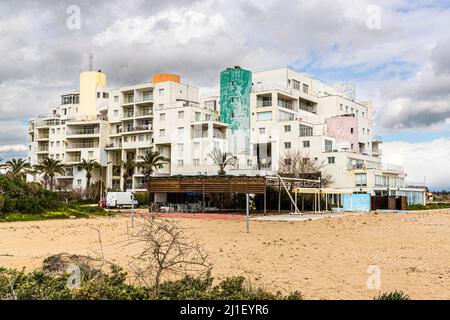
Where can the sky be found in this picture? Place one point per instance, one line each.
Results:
(395, 52)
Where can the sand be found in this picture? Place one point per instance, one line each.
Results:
(324, 259)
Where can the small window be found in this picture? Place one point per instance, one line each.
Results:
(341, 107)
(287, 145)
(305, 88)
(180, 131)
(351, 130)
(232, 83)
(196, 145)
(180, 163)
(79, 182)
(161, 92)
(105, 95)
(116, 98)
(116, 113)
(287, 128)
(262, 130)
(196, 162)
(90, 154)
(180, 147)
(98, 95)
(180, 114)
(162, 117)
(363, 114)
(306, 144)
(287, 162)
(162, 132)
(331, 160)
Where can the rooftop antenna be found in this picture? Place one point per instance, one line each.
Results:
(91, 62)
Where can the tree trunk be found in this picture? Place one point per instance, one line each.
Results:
(51, 183)
(149, 195)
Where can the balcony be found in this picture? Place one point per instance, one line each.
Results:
(43, 149)
(41, 137)
(264, 103)
(84, 131)
(286, 104)
(388, 167)
(82, 145)
(144, 127)
(68, 174)
(111, 146)
(144, 113)
(73, 159)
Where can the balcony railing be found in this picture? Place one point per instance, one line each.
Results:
(73, 159)
(82, 145)
(392, 168)
(144, 113)
(285, 104)
(113, 145)
(138, 128)
(43, 149)
(264, 103)
(83, 131)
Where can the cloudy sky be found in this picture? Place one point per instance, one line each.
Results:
(397, 52)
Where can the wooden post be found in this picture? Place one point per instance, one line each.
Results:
(326, 202)
(265, 198)
(203, 195)
(295, 201)
(279, 195)
(303, 202)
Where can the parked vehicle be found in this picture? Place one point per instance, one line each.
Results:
(120, 200)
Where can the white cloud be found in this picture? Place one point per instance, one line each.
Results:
(15, 147)
(428, 159)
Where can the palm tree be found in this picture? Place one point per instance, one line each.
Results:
(127, 167)
(89, 166)
(222, 159)
(50, 167)
(151, 161)
(17, 168)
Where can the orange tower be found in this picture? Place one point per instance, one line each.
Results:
(163, 77)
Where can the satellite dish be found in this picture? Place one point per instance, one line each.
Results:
(353, 162)
(263, 161)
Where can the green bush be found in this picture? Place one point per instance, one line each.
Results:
(43, 285)
(429, 206)
(394, 295)
(142, 198)
(20, 196)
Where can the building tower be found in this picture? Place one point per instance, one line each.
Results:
(235, 88)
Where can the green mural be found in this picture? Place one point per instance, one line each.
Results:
(235, 88)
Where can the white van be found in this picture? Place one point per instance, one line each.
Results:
(120, 200)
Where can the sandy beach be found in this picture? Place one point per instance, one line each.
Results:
(324, 259)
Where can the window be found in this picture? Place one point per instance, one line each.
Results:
(351, 130)
(364, 130)
(52, 144)
(180, 114)
(116, 113)
(196, 145)
(328, 145)
(58, 143)
(180, 163)
(264, 116)
(361, 179)
(232, 83)
(116, 98)
(296, 84)
(162, 116)
(353, 110)
(162, 132)
(105, 95)
(305, 88)
(98, 95)
(262, 130)
(363, 114)
(341, 107)
(305, 160)
(58, 130)
(207, 117)
(161, 92)
(180, 146)
(79, 182)
(196, 162)
(331, 160)
(368, 131)
(306, 144)
(287, 162)
(306, 131)
(90, 154)
(346, 108)
(357, 112)
(141, 137)
(180, 131)
(287, 145)
(287, 128)
(198, 116)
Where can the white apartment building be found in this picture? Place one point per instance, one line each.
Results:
(289, 111)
